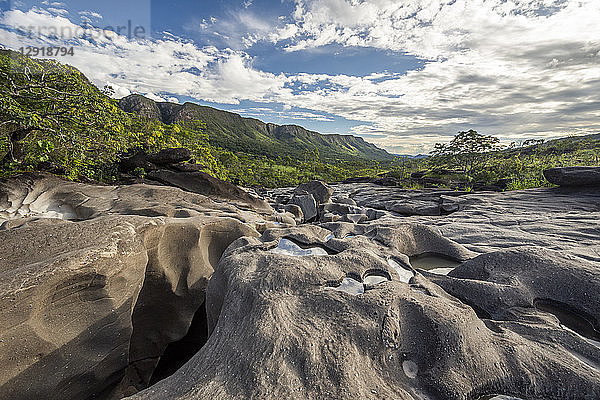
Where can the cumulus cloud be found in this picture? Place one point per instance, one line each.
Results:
(510, 68)
(515, 69)
(168, 65)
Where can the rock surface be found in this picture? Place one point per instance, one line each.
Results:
(574, 176)
(160, 293)
(307, 204)
(318, 189)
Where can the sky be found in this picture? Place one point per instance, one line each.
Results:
(402, 74)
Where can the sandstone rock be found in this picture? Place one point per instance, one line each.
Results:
(344, 200)
(170, 156)
(66, 301)
(307, 204)
(106, 290)
(414, 207)
(574, 176)
(319, 315)
(135, 161)
(330, 217)
(318, 189)
(296, 211)
(187, 167)
(203, 183)
(99, 298)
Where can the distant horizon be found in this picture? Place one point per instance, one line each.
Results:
(402, 76)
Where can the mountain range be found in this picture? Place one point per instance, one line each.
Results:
(252, 136)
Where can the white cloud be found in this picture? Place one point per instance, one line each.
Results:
(169, 65)
(516, 69)
(510, 68)
(90, 14)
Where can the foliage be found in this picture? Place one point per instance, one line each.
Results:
(522, 166)
(467, 150)
(51, 114)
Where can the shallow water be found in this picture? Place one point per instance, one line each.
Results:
(571, 320)
(434, 264)
(441, 271)
(355, 218)
(289, 248)
(351, 286)
(403, 273)
(374, 279)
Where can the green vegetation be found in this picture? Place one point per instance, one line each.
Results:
(471, 159)
(51, 114)
(53, 118)
(250, 136)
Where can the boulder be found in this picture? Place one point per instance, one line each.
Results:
(357, 179)
(136, 161)
(296, 211)
(203, 183)
(320, 191)
(414, 207)
(574, 176)
(384, 181)
(307, 204)
(170, 156)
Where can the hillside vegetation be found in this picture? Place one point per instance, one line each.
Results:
(474, 161)
(52, 118)
(251, 136)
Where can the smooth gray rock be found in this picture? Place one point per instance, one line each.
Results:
(97, 281)
(318, 189)
(205, 184)
(574, 176)
(170, 156)
(307, 204)
(401, 338)
(296, 211)
(106, 290)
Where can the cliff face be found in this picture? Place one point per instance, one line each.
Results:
(236, 133)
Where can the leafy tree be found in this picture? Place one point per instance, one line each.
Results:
(51, 112)
(467, 149)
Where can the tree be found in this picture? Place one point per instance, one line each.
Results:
(467, 149)
(50, 111)
(312, 158)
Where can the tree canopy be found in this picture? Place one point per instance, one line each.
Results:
(467, 149)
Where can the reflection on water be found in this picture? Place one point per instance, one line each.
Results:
(287, 247)
(356, 218)
(569, 319)
(441, 271)
(403, 273)
(374, 279)
(434, 264)
(350, 285)
(354, 287)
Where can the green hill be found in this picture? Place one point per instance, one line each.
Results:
(252, 136)
(53, 119)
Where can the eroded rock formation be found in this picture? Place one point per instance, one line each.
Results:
(162, 293)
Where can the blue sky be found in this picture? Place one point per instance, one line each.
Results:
(403, 75)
